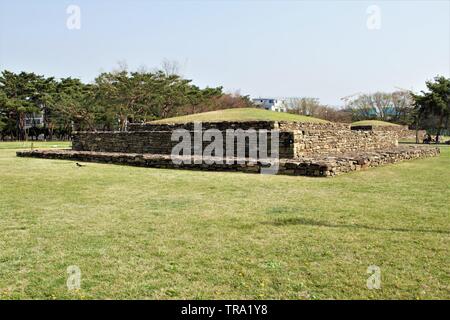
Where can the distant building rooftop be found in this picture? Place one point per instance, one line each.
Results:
(272, 104)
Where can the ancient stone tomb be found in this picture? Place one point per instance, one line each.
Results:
(314, 149)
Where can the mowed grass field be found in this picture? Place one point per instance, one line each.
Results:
(168, 234)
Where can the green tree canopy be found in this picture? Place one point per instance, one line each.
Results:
(113, 99)
(434, 102)
(21, 95)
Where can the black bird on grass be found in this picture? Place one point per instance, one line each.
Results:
(80, 165)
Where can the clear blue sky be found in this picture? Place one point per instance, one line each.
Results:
(264, 48)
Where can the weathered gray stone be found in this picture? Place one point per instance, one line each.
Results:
(311, 149)
(320, 166)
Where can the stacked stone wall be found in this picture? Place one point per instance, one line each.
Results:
(160, 142)
(319, 166)
(297, 139)
(335, 138)
(333, 141)
(402, 132)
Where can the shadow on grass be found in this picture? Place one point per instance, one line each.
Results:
(311, 222)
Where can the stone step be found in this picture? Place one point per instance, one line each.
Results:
(319, 166)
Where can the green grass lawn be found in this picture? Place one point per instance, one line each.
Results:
(373, 123)
(413, 140)
(168, 234)
(35, 144)
(240, 114)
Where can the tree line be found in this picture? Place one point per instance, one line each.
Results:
(118, 97)
(111, 101)
(312, 107)
(429, 110)
(432, 107)
(397, 106)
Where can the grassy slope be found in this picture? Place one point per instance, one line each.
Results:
(155, 233)
(373, 123)
(240, 114)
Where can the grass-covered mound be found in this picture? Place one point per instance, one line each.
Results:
(240, 114)
(373, 123)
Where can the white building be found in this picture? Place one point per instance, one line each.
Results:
(34, 120)
(271, 104)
